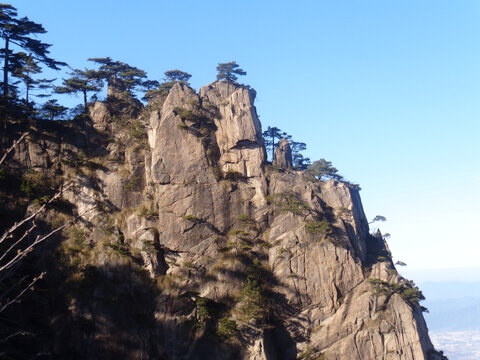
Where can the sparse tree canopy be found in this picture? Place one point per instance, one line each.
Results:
(171, 78)
(20, 33)
(271, 137)
(25, 67)
(177, 76)
(52, 109)
(323, 169)
(228, 71)
(299, 161)
(378, 218)
(119, 73)
(83, 81)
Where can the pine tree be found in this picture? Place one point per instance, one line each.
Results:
(171, 78)
(82, 81)
(52, 109)
(25, 67)
(228, 71)
(269, 137)
(299, 161)
(120, 74)
(20, 33)
(323, 168)
(177, 76)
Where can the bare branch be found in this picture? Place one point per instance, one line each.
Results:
(15, 226)
(25, 234)
(35, 279)
(11, 148)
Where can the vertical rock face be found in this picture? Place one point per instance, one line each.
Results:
(283, 155)
(239, 132)
(245, 262)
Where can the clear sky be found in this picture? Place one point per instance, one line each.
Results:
(387, 90)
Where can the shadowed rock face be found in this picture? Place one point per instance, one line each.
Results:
(194, 204)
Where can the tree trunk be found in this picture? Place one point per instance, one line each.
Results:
(273, 148)
(5, 85)
(5, 70)
(27, 85)
(85, 101)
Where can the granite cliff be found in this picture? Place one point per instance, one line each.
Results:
(189, 245)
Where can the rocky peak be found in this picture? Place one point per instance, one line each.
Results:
(239, 131)
(232, 259)
(283, 155)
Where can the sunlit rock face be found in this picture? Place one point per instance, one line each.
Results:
(199, 249)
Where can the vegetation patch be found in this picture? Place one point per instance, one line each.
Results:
(318, 227)
(412, 295)
(289, 201)
(119, 249)
(254, 297)
(227, 328)
(191, 218)
(134, 184)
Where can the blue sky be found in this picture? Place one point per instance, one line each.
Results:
(387, 90)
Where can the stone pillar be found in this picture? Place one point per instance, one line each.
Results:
(283, 155)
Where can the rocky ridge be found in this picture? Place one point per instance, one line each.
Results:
(192, 246)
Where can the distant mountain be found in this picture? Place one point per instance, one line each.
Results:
(453, 306)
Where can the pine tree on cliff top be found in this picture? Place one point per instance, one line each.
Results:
(228, 71)
(82, 81)
(128, 77)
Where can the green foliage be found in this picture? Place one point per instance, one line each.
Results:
(205, 308)
(238, 232)
(144, 211)
(233, 175)
(318, 227)
(149, 246)
(119, 249)
(134, 184)
(227, 328)
(191, 218)
(321, 169)
(412, 295)
(289, 201)
(378, 218)
(78, 239)
(229, 71)
(81, 81)
(343, 210)
(122, 75)
(271, 136)
(28, 188)
(137, 130)
(310, 354)
(246, 220)
(177, 76)
(52, 109)
(36, 185)
(255, 304)
(217, 172)
(197, 120)
(21, 34)
(269, 199)
(162, 89)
